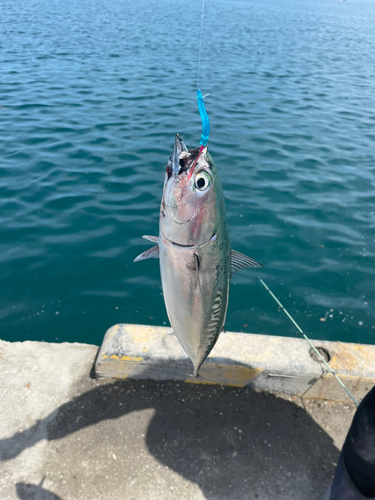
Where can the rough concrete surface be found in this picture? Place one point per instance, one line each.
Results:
(262, 362)
(64, 435)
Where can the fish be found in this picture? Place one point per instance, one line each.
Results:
(193, 246)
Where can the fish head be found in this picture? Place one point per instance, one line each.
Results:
(192, 207)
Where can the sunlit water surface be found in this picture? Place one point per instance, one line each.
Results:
(92, 93)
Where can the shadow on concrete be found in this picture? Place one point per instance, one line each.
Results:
(216, 437)
(27, 491)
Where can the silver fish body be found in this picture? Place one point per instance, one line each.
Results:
(196, 260)
(196, 289)
(195, 284)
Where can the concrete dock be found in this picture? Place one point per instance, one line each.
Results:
(65, 435)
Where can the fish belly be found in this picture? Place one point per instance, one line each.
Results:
(195, 288)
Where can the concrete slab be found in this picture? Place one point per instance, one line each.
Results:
(64, 435)
(268, 363)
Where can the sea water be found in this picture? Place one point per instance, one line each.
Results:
(91, 95)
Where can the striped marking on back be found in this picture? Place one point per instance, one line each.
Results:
(212, 330)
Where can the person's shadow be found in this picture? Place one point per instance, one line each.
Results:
(233, 443)
(27, 491)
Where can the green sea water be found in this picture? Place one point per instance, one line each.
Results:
(92, 94)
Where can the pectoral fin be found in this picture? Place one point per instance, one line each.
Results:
(240, 261)
(154, 239)
(148, 254)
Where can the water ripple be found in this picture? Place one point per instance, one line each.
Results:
(92, 94)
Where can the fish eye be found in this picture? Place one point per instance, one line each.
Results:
(202, 180)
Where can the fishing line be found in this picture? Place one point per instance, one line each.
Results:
(308, 340)
(200, 45)
(202, 109)
(209, 379)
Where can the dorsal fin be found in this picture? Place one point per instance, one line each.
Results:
(240, 261)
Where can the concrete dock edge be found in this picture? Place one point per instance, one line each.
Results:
(263, 362)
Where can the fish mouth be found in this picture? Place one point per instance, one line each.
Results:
(182, 158)
(179, 147)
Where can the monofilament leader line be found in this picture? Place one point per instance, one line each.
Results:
(200, 45)
(308, 340)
